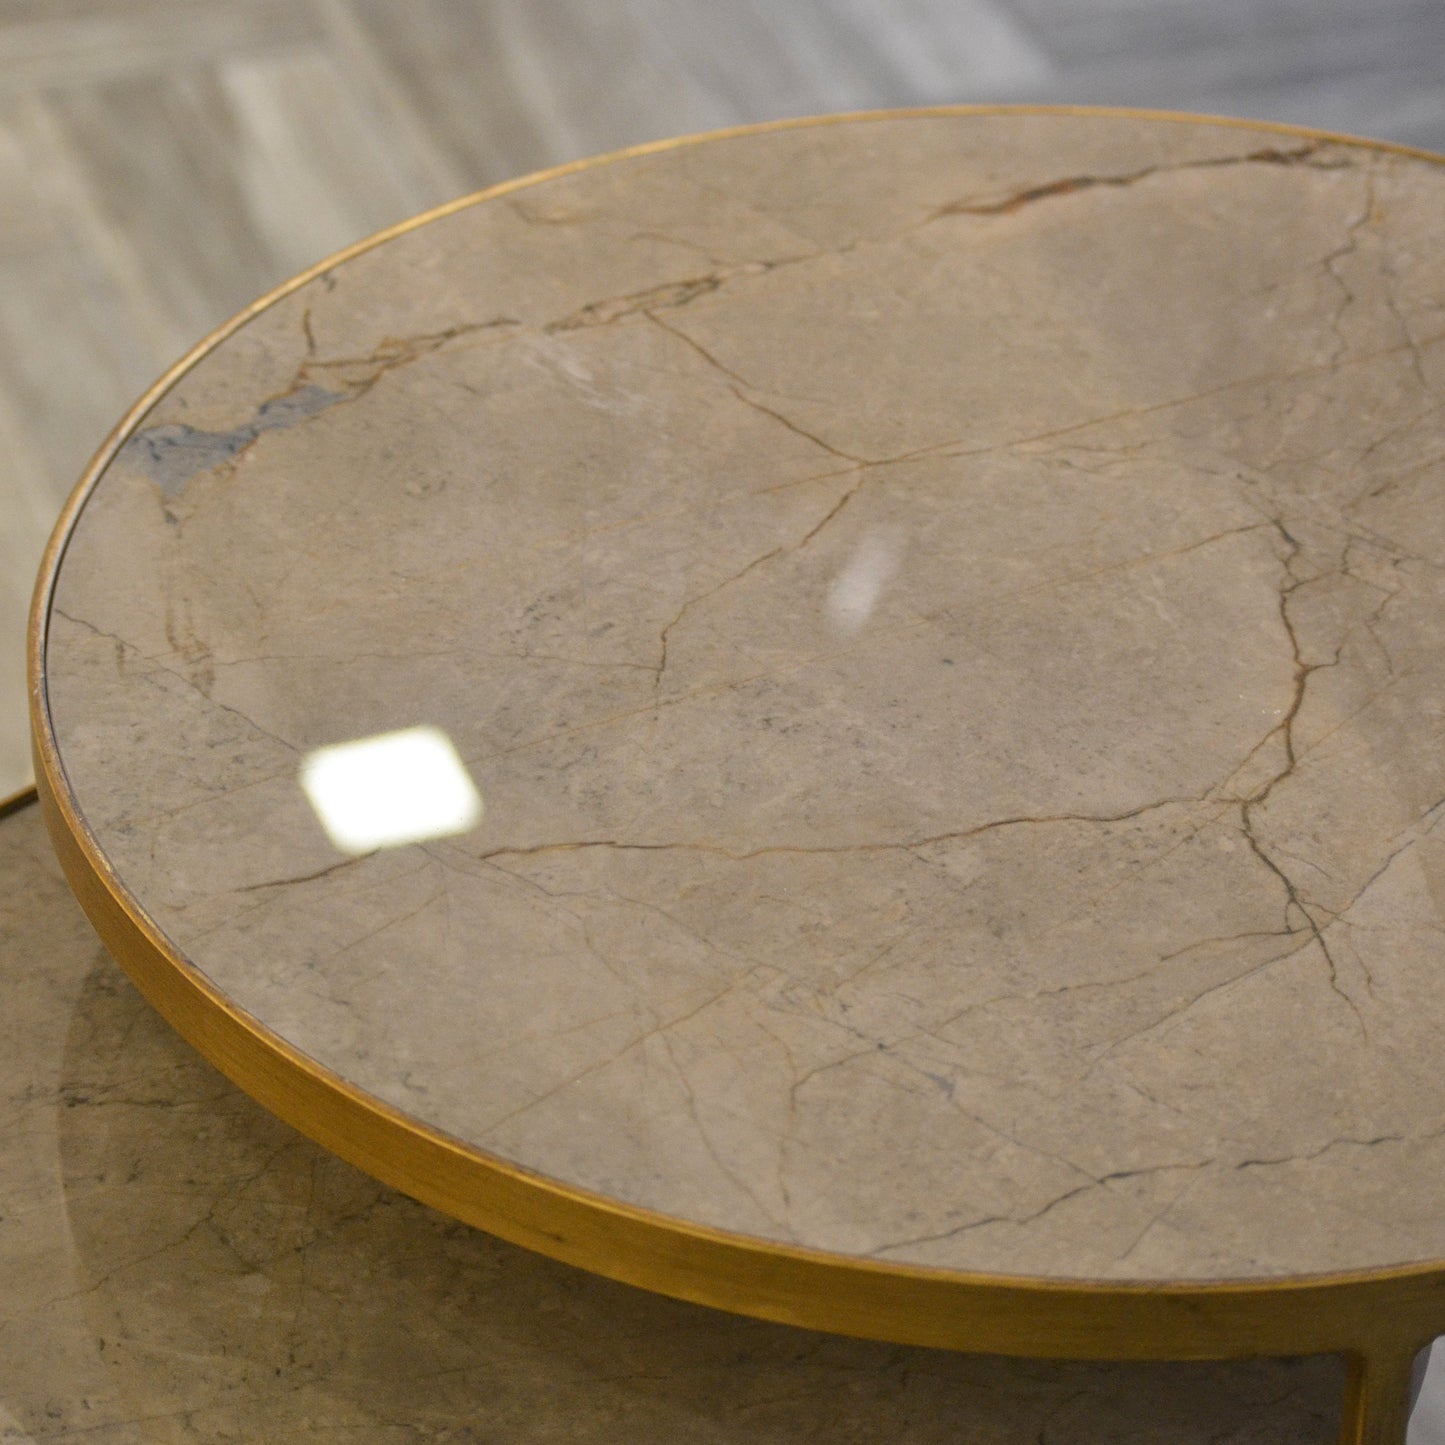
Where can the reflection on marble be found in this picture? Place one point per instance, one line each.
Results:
(178, 1267)
(945, 616)
(381, 792)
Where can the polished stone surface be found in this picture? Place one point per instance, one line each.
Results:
(943, 616)
(178, 1268)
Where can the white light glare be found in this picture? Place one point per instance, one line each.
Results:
(857, 588)
(395, 788)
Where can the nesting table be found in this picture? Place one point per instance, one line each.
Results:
(841, 720)
(181, 1267)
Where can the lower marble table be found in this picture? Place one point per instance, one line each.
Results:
(180, 1268)
(840, 720)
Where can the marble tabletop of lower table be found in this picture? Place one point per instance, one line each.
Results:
(180, 1268)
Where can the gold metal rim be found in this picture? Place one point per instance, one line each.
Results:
(1384, 1309)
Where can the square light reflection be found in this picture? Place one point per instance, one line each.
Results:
(391, 789)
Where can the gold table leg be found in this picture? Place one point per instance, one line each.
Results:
(1377, 1397)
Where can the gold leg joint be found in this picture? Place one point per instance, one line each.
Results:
(1377, 1397)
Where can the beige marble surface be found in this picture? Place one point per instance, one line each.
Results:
(177, 1267)
(944, 614)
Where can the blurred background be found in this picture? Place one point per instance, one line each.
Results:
(163, 162)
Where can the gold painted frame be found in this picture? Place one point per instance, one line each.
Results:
(1379, 1318)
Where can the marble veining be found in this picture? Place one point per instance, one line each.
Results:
(943, 613)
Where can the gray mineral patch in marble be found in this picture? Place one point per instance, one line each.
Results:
(172, 453)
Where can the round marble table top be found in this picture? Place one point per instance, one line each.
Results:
(896, 671)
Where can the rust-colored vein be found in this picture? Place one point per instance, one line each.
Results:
(900, 845)
(1299, 906)
(1072, 185)
(1324, 1149)
(696, 346)
(797, 430)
